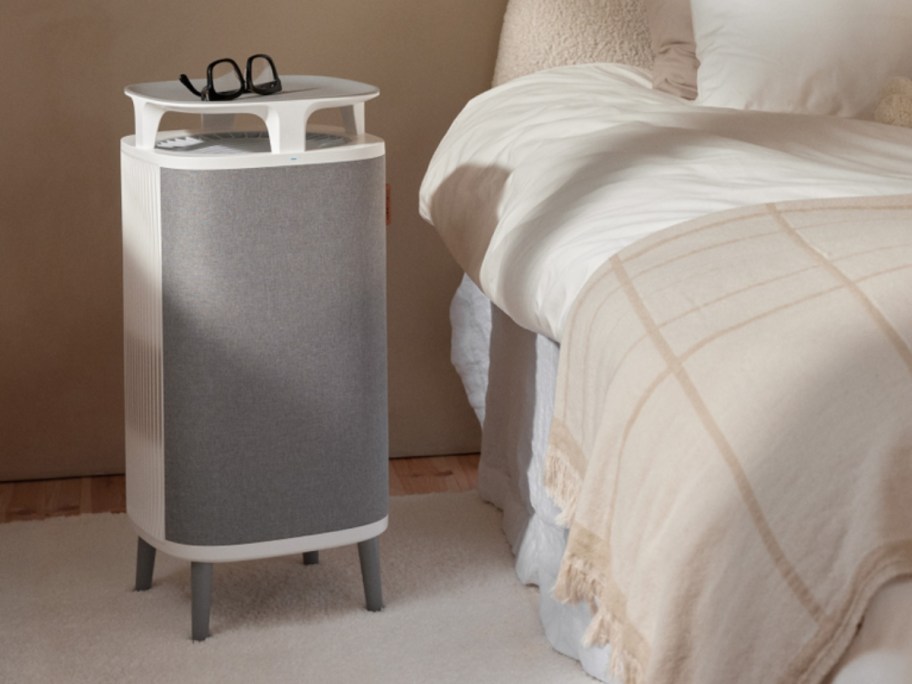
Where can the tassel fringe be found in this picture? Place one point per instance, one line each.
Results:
(562, 480)
(579, 581)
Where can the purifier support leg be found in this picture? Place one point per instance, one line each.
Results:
(145, 564)
(369, 553)
(201, 598)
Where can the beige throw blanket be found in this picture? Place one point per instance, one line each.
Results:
(732, 441)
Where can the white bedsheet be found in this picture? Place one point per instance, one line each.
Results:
(589, 158)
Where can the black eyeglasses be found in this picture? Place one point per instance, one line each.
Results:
(231, 84)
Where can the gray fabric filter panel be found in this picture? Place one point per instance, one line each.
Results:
(275, 380)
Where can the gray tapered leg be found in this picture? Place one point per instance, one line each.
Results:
(201, 598)
(311, 557)
(145, 564)
(369, 553)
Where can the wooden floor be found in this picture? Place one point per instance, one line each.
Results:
(38, 499)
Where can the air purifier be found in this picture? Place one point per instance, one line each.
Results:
(254, 331)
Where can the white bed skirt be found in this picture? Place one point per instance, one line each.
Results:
(509, 375)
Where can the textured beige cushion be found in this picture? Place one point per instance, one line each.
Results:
(540, 34)
(895, 106)
(672, 35)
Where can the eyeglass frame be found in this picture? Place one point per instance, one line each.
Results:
(210, 94)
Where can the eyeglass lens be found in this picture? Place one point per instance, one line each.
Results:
(226, 78)
(261, 72)
(262, 77)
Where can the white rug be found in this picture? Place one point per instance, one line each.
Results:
(455, 611)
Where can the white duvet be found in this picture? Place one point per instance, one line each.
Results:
(566, 167)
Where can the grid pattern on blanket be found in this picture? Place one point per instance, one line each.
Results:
(738, 391)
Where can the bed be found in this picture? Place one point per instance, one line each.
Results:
(686, 328)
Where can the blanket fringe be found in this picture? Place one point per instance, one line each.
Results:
(562, 480)
(578, 581)
(563, 485)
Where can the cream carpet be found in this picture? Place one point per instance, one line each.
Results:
(455, 611)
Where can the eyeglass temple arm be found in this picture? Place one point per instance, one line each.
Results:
(185, 80)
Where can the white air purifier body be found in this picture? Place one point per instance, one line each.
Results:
(254, 330)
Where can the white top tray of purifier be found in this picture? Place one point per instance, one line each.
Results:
(285, 114)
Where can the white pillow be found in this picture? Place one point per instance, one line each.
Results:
(808, 56)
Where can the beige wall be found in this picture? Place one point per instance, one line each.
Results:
(64, 67)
